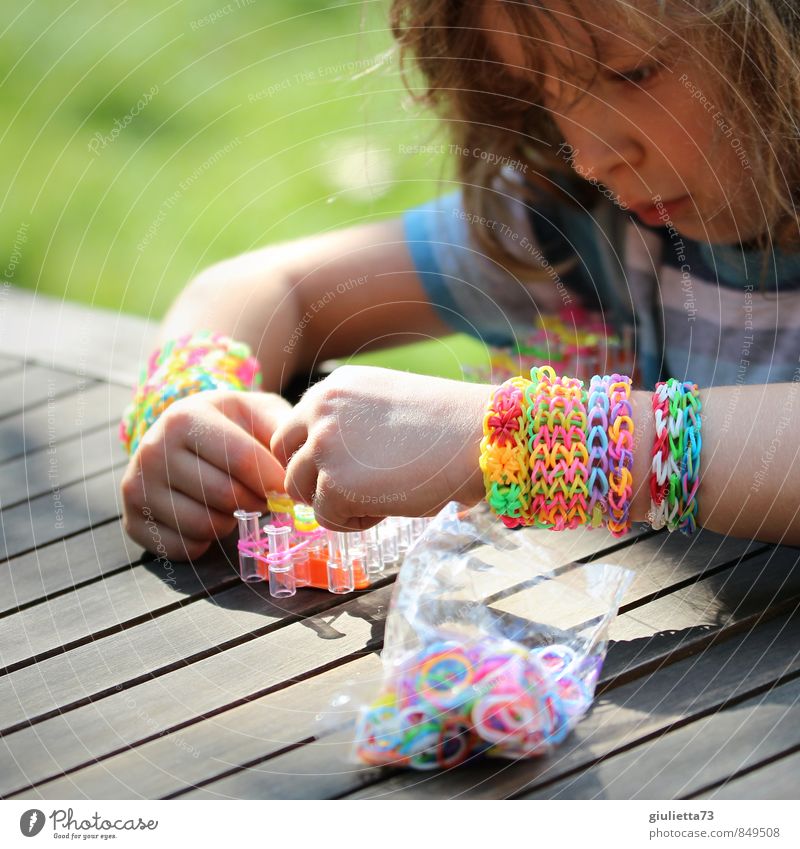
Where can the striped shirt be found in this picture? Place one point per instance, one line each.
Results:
(695, 311)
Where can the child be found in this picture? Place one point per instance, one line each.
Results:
(634, 160)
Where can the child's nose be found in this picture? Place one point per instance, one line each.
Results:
(603, 150)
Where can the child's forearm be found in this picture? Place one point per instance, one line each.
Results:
(749, 470)
(262, 316)
(312, 299)
(749, 481)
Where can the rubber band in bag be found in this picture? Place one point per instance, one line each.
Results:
(493, 646)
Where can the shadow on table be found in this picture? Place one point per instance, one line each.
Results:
(215, 575)
(721, 602)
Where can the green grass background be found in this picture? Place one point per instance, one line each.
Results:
(268, 79)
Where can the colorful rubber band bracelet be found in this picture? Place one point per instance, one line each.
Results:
(597, 447)
(675, 467)
(504, 452)
(620, 453)
(191, 363)
(664, 470)
(685, 448)
(558, 456)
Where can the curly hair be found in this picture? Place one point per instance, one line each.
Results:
(748, 47)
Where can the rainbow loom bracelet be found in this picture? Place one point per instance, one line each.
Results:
(675, 467)
(504, 452)
(690, 467)
(664, 470)
(538, 397)
(660, 462)
(620, 453)
(685, 443)
(183, 366)
(558, 455)
(597, 446)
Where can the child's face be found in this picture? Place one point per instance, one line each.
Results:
(643, 130)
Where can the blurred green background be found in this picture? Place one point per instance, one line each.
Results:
(145, 140)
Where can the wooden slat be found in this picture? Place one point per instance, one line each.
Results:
(211, 747)
(673, 625)
(777, 780)
(153, 648)
(97, 608)
(625, 714)
(664, 561)
(60, 465)
(52, 734)
(96, 659)
(172, 757)
(43, 520)
(89, 408)
(695, 756)
(34, 384)
(175, 637)
(661, 565)
(94, 342)
(103, 607)
(65, 564)
(8, 364)
(729, 601)
(189, 692)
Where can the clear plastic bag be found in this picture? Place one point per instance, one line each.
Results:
(493, 645)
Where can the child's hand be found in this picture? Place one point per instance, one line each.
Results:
(369, 442)
(203, 458)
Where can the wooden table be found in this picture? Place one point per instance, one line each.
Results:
(124, 676)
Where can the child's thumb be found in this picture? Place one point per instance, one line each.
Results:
(259, 413)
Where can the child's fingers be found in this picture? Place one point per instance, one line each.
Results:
(301, 477)
(258, 413)
(289, 436)
(193, 476)
(164, 542)
(356, 523)
(187, 516)
(232, 449)
(333, 510)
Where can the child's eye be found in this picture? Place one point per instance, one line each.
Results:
(636, 76)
